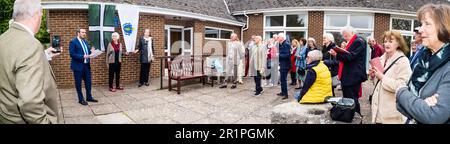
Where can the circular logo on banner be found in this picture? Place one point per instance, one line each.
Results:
(128, 28)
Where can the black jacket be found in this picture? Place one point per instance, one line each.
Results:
(142, 45)
(354, 70)
(329, 60)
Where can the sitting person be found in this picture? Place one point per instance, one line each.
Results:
(318, 80)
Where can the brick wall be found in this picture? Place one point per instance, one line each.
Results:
(65, 22)
(315, 25)
(382, 22)
(256, 26)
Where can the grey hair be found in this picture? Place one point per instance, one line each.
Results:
(369, 38)
(349, 29)
(115, 34)
(329, 36)
(315, 55)
(282, 35)
(26, 9)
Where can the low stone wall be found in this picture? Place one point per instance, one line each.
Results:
(295, 113)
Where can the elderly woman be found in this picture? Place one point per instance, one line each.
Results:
(318, 80)
(426, 98)
(300, 62)
(396, 73)
(146, 47)
(293, 71)
(329, 60)
(114, 60)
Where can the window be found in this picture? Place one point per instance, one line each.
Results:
(211, 33)
(406, 27)
(363, 24)
(294, 25)
(336, 21)
(273, 21)
(217, 33)
(295, 20)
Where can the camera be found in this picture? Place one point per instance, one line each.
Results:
(56, 44)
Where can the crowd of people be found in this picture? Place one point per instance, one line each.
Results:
(409, 87)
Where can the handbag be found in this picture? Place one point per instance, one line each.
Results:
(343, 110)
(370, 97)
(335, 81)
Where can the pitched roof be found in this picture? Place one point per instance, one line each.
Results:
(402, 5)
(216, 8)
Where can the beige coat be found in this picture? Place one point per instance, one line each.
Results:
(383, 101)
(28, 92)
(257, 60)
(110, 56)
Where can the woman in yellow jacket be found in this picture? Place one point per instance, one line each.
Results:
(317, 84)
(384, 110)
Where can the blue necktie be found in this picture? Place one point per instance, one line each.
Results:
(85, 50)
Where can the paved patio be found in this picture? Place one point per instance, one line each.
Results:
(197, 104)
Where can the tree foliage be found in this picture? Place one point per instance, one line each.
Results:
(6, 10)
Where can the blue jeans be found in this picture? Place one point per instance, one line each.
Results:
(283, 81)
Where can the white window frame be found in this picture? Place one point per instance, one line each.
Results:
(284, 28)
(403, 32)
(349, 16)
(220, 35)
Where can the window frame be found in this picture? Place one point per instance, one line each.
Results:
(219, 34)
(284, 28)
(348, 23)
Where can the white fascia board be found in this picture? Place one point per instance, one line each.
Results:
(334, 9)
(145, 9)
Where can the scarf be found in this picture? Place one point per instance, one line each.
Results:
(116, 47)
(149, 48)
(341, 64)
(426, 65)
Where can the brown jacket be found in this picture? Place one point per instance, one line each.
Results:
(384, 108)
(28, 92)
(110, 56)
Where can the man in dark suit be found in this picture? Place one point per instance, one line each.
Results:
(285, 63)
(80, 65)
(352, 69)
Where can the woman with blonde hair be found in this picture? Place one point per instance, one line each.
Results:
(395, 72)
(293, 71)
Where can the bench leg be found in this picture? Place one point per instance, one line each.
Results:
(203, 79)
(212, 82)
(170, 84)
(178, 86)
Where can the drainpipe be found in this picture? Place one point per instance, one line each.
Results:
(246, 26)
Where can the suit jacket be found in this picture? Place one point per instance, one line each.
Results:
(354, 70)
(77, 54)
(285, 56)
(143, 49)
(413, 59)
(28, 92)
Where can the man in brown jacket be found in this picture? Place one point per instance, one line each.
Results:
(28, 93)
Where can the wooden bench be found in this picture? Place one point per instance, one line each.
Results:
(185, 68)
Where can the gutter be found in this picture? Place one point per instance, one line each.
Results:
(64, 5)
(246, 26)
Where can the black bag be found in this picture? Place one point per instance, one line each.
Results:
(343, 110)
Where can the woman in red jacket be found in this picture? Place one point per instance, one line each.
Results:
(295, 45)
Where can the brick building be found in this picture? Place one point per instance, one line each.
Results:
(210, 22)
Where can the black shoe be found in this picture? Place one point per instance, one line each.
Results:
(146, 84)
(257, 94)
(285, 97)
(279, 94)
(139, 85)
(299, 88)
(233, 86)
(223, 86)
(83, 103)
(92, 100)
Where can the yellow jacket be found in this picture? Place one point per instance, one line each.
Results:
(321, 87)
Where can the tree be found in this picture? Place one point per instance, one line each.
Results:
(6, 9)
